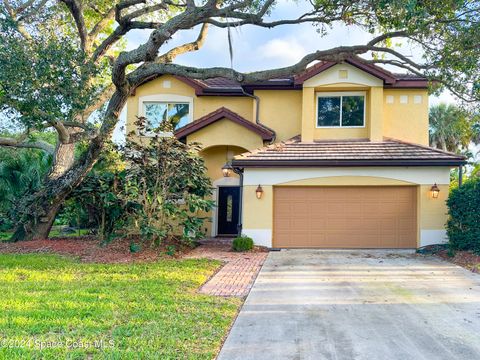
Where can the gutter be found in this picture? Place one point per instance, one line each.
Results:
(339, 163)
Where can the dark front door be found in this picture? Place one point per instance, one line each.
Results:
(228, 209)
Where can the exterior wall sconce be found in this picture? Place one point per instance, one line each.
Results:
(434, 191)
(259, 192)
(227, 170)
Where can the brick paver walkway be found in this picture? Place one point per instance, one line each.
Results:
(236, 277)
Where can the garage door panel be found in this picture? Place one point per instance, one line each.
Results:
(318, 225)
(345, 217)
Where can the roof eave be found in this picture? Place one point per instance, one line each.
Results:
(341, 163)
(219, 114)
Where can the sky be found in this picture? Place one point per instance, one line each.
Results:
(257, 48)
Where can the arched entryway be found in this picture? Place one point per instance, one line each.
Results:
(225, 215)
(216, 156)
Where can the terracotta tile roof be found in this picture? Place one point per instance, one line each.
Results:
(220, 82)
(227, 87)
(389, 152)
(223, 113)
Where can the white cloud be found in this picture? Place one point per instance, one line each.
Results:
(284, 51)
(445, 97)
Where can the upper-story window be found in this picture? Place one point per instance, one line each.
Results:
(157, 112)
(158, 108)
(342, 109)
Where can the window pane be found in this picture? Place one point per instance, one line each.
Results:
(352, 110)
(328, 111)
(178, 114)
(229, 208)
(155, 112)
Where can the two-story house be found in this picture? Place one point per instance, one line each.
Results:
(335, 157)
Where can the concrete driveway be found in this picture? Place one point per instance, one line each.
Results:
(319, 304)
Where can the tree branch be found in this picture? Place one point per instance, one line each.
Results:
(189, 47)
(148, 71)
(101, 99)
(9, 8)
(100, 26)
(76, 11)
(399, 56)
(24, 6)
(144, 11)
(34, 10)
(23, 143)
(63, 133)
(414, 71)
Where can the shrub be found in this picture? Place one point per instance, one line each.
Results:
(463, 226)
(168, 183)
(170, 250)
(161, 193)
(21, 173)
(242, 243)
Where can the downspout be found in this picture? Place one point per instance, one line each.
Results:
(460, 175)
(239, 171)
(257, 114)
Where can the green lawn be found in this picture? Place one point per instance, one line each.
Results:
(5, 235)
(139, 311)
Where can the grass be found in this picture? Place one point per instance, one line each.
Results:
(5, 235)
(55, 307)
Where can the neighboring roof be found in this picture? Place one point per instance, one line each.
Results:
(390, 152)
(227, 87)
(223, 113)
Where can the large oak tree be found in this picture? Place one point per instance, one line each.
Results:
(63, 62)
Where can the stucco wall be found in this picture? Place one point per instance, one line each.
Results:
(397, 113)
(282, 111)
(202, 105)
(432, 213)
(215, 157)
(406, 121)
(226, 132)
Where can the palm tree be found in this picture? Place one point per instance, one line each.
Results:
(451, 128)
(21, 172)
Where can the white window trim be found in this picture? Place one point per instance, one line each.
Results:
(341, 93)
(171, 98)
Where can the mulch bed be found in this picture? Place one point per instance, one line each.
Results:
(465, 259)
(89, 249)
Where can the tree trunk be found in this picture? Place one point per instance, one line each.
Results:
(38, 227)
(38, 211)
(63, 160)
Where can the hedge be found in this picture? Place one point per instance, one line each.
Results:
(463, 225)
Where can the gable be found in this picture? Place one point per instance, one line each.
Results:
(345, 74)
(210, 122)
(226, 131)
(166, 84)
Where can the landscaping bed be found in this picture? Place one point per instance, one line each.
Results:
(58, 307)
(466, 259)
(90, 249)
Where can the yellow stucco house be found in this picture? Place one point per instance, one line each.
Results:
(336, 157)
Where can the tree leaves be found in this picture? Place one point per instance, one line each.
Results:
(452, 128)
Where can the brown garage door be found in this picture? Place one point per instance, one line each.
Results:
(345, 217)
